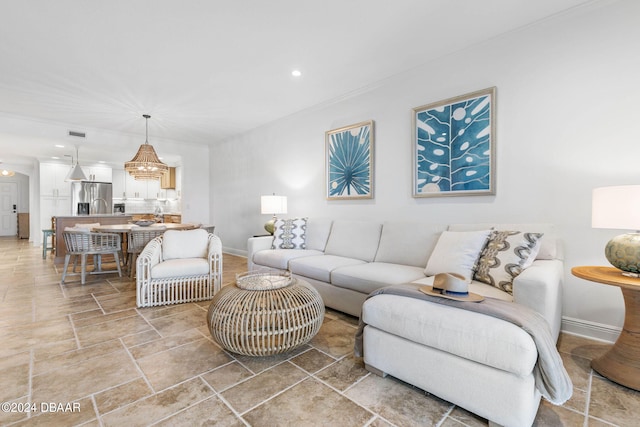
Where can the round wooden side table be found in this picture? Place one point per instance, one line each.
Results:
(265, 320)
(621, 363)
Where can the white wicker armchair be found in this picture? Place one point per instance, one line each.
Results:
(178, 267)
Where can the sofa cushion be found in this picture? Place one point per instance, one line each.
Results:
(318, 230)
(549, 246)
(368, 277)
(354, 239)
(185, 244)
(180, 267)
(320, 267)
(279, 258)
(290, 234)
(473, 336)
(505, 255)
(457, 252)
(407, 243)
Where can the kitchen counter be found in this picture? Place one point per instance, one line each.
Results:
(96, 216)
(172, 218)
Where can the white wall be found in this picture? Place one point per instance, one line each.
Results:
(567, 91)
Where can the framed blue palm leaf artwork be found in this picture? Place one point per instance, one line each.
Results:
(349, 162)
(454, 146)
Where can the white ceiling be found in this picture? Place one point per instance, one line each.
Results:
(209, 69)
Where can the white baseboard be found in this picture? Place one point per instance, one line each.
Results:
(593, 330)
(232, 251)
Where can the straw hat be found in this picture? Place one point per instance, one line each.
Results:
(452, 286)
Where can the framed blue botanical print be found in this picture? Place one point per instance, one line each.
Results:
(454, 146)
(349, 162)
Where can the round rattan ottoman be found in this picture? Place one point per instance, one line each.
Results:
(265, 314)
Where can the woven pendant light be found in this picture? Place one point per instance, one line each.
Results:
(145, 165)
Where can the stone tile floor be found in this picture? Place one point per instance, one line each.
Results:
(85, 355)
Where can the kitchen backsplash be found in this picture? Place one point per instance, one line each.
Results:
(149, 206)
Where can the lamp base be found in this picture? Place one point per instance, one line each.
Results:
(270, 225)
(623, 252)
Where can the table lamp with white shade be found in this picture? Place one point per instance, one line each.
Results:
(273, 205)
(619, 208)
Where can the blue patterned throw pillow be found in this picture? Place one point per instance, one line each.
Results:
(505, 255)
(290, 234)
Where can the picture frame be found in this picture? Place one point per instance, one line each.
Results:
(349, 162)
(453, 146)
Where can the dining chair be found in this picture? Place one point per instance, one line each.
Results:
(210, 228)
(137, 239)
(84, 243)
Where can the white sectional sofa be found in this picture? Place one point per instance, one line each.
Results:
(478, 362)
(346, 260)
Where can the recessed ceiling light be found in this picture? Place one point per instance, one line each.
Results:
(59, 146)
(296, 73)
(55, 158)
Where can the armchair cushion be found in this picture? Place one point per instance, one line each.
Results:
(180, 268)
(185, 244)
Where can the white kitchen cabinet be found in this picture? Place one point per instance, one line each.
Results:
(52, 181)
(135, 189)
(141, 189)
(119, 188)
(153, 189)
(98, 173)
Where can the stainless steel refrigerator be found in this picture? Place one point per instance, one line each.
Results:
(91, 198)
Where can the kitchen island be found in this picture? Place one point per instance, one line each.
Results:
(61, 222)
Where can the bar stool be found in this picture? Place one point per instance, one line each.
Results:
(45, 242)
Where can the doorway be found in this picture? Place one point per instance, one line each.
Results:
(8, 208)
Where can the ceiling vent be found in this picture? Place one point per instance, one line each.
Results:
(77, 134)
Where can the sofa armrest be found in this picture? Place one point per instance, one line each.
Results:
(255, 244)
(540, 287)
(214, 257)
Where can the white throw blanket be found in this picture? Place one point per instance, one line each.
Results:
(551, 378)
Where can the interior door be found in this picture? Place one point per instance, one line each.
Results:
(8, 209)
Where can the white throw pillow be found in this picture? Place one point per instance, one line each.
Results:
(178, 244)
(457, 252)
(506, 255)
(290, 234)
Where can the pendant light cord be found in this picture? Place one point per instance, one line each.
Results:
(146, 126)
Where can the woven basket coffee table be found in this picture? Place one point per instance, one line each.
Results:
(265, 313)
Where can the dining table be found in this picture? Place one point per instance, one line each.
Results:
(125, 229)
